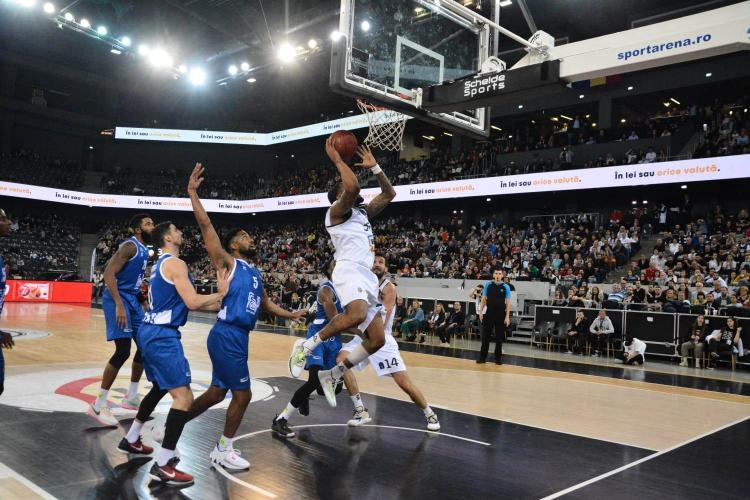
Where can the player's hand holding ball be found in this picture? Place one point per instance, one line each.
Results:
(368, 160)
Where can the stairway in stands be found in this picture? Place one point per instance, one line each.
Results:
(85, 251)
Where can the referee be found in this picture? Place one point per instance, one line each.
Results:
(494, 314)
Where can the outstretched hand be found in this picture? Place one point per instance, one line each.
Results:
(365, 154)
(331, 151)
(196, 179)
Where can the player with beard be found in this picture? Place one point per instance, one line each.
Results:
(229, 337)
(170, 294)
(123, 314)
(6, 339)
(387, 360)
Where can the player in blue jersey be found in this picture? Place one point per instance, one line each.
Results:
(228, 339)
(123, 314)
(6, 339)
(323, 357)
(171, 294)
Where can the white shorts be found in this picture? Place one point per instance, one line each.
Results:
(355, 282)
(386, 361)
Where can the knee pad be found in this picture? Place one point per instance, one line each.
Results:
(122, 353)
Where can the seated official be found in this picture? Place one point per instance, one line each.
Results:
(694, 345)
(600, 330)
(577, 334)
(451, 325)
(726, 342)
(414, 318)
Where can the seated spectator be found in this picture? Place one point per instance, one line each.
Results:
(414, 318)
(595, 298)
(601, 328)
(634, 352)
(451, 325)
(436, 318)
(398, 315)
(615, 298)
(559, 299)
(726, 342)
(576, 339)
(695, 343)
(574, 300)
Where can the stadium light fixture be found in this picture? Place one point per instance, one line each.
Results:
(336, 35)
(496, 128)
(593, 124)
(160, 58)
(115, 51)
(69, 17)
(126, 41)
(581, 96)
(489, 199)
(365, 25)
(634, 202)
(251, 80)
(709, 75)
(505, 3)
(91, 147)
(197, 76)
(566, 117)
(286, 53)
(85, 23)
(312, 44)
(630, 87)
(623, 120)
(520, 106)
(143, 49)
(182, 69)
(645, 202)
(666, 104)
(232, 70)
(684, 186)
(674, 100)
(49, 8)
(102, 30)
(448, 134)
(245, 66)
(25, 3)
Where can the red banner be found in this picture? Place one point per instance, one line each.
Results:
(48, 291)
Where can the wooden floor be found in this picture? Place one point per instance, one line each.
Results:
(56, 364)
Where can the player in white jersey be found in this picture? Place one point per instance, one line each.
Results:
(387, 360)
(348, 224)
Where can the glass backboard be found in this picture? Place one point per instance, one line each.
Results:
(391, 48)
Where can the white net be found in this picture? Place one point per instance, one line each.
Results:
(386, 126)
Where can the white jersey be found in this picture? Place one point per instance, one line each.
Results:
(352, 239)
(387, 323)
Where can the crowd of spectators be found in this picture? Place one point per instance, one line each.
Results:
(27, 167)
(41, 245)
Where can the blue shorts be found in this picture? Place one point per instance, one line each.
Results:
(228, 349)
(163, 357)
(325, 354)
(133, 311)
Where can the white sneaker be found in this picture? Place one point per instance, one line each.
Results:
(360, 417)
(131, 404)
(432, 423)
(328, 383)
(103, 416)
(229, 459)
(297, 359)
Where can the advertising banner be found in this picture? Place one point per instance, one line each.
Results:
(693, 170)
(48, 291)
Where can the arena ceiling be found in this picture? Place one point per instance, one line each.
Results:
(217, 33)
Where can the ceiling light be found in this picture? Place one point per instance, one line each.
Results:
(497, 128)
(102, 30)
(709, 75)
(251, 80)
(630, 87)
(622, 120)
(49, 8)
(116, 51)
(159, 58)
(91, 147)
(197, 76)
(286, 53)
(448, 134)
(143, 49)
(645, 202)
(505, 3)
(566, 117)
(684, 186)
(182, 69)
(674, 100)
(232, 70)
(520, 106)
(85, 23)
(69, 17)
(634, 202)
(245, 66)
(312, 43)
(666, 104)
(125, 41)
(581, 96)
(223, 84)
(593, 124)
(489, 199)
(26, 3)
(555, 119)
(365, 25)
(428, 137)
(588, 116)
(418, 10)
(335, 35)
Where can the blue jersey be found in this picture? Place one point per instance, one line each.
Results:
(320, 312)
(2, 283)
(130, 277)
(166, 306)
(241, 304)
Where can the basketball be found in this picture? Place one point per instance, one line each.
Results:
(345, 143)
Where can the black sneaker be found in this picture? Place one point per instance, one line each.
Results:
(281, 429)
(304, 408)
(169, 475)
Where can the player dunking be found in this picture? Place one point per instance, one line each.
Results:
(387, 360)
(6, 339)
(171, 295)
(229, 337)
(123, 315)
(323, 356)
(348, 224)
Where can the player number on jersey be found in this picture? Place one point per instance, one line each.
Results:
(388, 364)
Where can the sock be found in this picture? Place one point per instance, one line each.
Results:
(427, 411)
(101, 399)
(357, 401)
(134, 433)
(163, 456)
(312, 343)
(224, 443)
(132, 391)
(288, 410)
(358, 355)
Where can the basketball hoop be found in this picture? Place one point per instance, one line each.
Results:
(386, 126)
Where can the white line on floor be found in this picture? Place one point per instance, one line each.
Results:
(7, 472)
(239, 481)
(642, 460)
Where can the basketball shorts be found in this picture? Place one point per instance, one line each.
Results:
(163, 358)
(133, 311)
(323, 356)
(386, 361)
(352, 282)
(228, 349)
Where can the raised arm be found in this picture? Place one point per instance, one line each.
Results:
(219, 257)
(349, 182)
(176, 271)
(387, 193)
(114, 266)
